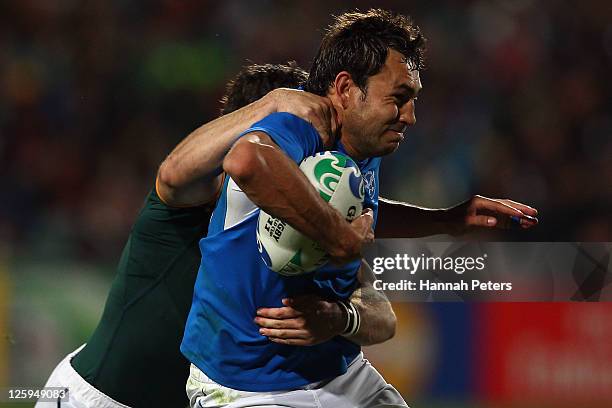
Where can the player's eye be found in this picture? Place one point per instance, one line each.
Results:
(401, 100)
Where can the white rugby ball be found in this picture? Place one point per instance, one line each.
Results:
(338, 181)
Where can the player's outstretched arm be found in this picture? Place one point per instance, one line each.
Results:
(275, 184)
(190, 175)
(308, 320)
(402, 220)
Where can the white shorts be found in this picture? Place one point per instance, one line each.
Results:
(81, 394)
(360, 387)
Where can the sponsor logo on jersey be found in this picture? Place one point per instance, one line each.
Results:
(370, 183)
(264, 254)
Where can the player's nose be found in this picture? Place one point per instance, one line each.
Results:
(407, 113)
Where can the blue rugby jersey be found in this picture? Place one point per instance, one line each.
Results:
(221, 338)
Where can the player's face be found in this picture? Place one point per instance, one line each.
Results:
(375, 125)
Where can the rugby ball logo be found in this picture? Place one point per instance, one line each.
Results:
(327, 172)
(338, 181)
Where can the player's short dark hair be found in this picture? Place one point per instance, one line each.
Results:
(254, 81)
(359, 43)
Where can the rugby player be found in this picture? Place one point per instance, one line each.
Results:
(133, 357)
(368, 66)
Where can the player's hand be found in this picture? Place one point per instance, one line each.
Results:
(486, 212)
(302, 321)
(351, 242)
(317, 110)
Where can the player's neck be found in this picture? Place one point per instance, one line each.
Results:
(350, 149)
(347, 143)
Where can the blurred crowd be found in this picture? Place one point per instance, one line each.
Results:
(516, 103)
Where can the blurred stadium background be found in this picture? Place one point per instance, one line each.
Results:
(516, 103)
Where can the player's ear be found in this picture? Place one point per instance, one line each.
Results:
(342, 86)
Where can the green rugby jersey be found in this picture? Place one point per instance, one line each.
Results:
(133, 355)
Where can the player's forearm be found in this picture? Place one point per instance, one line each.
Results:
(187, 176)
(378, 321)
(275, 184)
(402, 220)
(399, 220)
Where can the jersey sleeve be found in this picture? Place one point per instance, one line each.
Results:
(160, 227)
(295, 136)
